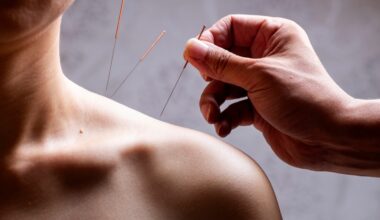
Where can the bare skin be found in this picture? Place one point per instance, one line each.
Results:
(307, 119)
(67, 153)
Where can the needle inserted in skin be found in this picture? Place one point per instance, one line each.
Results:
(114, 43)
(142, 58)
(180, 76)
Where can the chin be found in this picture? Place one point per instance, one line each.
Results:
(19, 18)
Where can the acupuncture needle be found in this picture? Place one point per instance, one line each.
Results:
(180, 76)
(142, 58)
(114, 43)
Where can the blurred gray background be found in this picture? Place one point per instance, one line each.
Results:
(345, 34)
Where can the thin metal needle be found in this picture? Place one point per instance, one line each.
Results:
(180, 76)
(126, 78)
(172, 92)
(114, 44)
(142, 58)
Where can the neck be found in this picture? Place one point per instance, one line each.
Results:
(31, 85)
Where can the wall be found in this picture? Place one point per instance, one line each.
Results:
(345, 34)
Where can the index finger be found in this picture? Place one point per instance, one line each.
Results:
(235, 30)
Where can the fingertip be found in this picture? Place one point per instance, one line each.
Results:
(186, 51)
(196, 49)
(223, 128)
(196, 56)
(200, 67)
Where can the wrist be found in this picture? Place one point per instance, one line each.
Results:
(357, 125)
(354, 143)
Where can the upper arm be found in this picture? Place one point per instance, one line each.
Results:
(237, 189)
(211, 180)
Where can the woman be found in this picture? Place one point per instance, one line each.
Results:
(67, 153)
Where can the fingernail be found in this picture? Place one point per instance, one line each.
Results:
(206, 110)
(196, 49)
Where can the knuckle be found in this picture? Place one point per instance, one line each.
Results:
(204, 101)
(228, 17)
(272, 23)
(291, 22)
(294, 26)
(206, 98)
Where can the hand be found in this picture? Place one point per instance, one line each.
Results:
(288, 94)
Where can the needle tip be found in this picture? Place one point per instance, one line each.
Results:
(162, 113)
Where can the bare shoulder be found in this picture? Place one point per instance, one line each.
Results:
(192, 174)
(204, 178)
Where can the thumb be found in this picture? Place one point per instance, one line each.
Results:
(219, 64)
